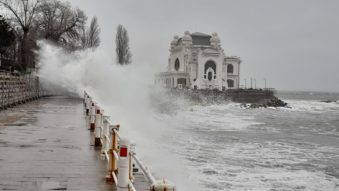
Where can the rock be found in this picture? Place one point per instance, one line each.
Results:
(327, 101)
(274, 102)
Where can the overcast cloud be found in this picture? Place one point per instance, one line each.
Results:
(293, 44)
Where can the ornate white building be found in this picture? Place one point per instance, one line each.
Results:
(197, 61)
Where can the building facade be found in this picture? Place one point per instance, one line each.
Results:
(197, 61)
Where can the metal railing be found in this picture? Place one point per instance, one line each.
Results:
(16, 90)
(118, 152)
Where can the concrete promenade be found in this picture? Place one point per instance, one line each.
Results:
(45, 145)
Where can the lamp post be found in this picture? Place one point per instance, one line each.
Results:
(25, 4)
(265, 82)
(255, 83)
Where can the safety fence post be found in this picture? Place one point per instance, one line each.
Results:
(92, 116)
(87, 105)
(98, 126)
(105, 133)
(123, 164)
(162, 185)
(113, 156)
(130, 161)
(119, 152)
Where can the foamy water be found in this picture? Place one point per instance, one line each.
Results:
(227, 147)
(207, 148)
(314, 106)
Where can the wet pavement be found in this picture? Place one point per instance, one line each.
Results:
(45, 145)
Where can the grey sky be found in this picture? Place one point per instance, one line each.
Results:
(293, 44)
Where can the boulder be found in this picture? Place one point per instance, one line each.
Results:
(273, 102)
(327, 101)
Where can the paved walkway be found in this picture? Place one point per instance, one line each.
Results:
(45, 145)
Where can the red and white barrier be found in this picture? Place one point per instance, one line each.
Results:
(98, 126)
(92, 116)
(87, 104)
(119, 152)
(123, 164)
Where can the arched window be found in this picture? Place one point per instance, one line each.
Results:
(177, 64)
(230, 68)
(210, 70)
(230, 83)
(210, 64)
(182, 81)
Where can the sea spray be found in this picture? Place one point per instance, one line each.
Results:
(218, 146)
(124, 93)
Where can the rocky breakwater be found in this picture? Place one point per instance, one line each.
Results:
(250, 98)
(272, 102)
(330, 101)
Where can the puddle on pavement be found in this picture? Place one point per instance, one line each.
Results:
(30, 120)
(45, 186)
(70, 147)
(52, 186)
(8, 145)
(26, 146)
(46, 150)
(14, 124)
(3, 144)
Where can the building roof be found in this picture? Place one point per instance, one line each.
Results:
(200, 34)
(234, 58)
(201, 38)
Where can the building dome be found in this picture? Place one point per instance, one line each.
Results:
(215, 40)
(175, 40)
(187, 39)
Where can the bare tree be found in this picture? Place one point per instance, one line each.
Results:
(24, 13)
(93, 34)
(7, 39)
(62, 24)
(124, 55)
(7, 35)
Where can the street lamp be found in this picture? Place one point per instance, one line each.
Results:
(255, 83)
(25, 4)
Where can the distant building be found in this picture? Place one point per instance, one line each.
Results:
(197, 61)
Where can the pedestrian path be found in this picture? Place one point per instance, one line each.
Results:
(45, 145)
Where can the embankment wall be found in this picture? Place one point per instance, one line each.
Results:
(16, 90)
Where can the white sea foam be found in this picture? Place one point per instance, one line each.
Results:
(313, 106)
(266, 166)
(124, 94)
(213, 118)
(192, 145)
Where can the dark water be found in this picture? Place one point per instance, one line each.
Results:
(308, 95)
(227, 147)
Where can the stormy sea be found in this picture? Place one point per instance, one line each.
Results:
(226, 146)
(204, 146)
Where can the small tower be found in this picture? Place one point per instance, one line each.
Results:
(174, 41)
(187, 39)
(215, 40)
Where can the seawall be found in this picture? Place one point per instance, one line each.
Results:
(16, 90)
(251, 96)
